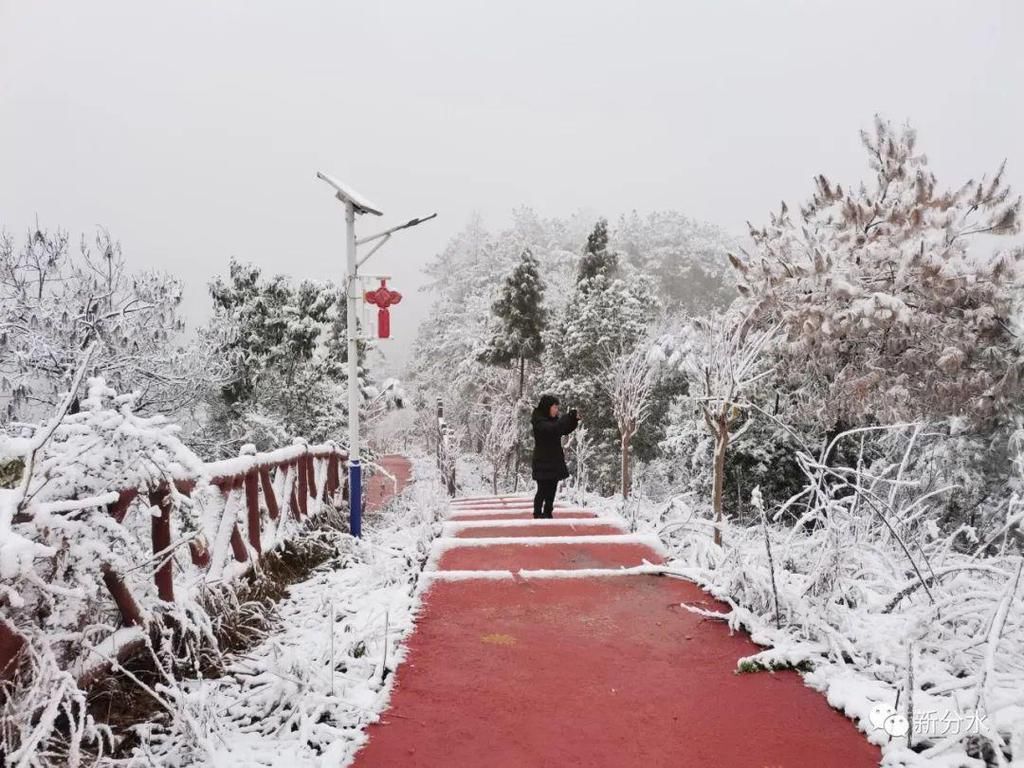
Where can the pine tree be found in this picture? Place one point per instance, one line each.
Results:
(892, 310)
(608, 313)
(286, 345)
(521, 318)
(597, 259)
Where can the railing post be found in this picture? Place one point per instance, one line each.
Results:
(332, 475)
(437, 435)
(445, 459)
(161, 535)
(268, 492)
(292, 478)
(303, 485)
(251, 481)
(310, 465)
(450, 458)
(130, 614)
(252, 505)
(237, 542)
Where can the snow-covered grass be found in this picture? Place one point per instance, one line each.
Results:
(854, 582)
(472, 475)
(303, 695)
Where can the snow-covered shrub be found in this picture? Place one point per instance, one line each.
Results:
(59, 551)
(78, 566)
(863, 581)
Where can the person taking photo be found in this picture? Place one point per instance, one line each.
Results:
(548, 457)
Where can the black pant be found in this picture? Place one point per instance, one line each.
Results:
(545, 498)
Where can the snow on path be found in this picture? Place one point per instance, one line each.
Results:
(527, 653)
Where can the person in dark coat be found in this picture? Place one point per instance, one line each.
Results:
(548, 458)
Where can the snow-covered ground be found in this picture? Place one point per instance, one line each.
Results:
(303, 696)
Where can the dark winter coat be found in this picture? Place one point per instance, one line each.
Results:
(548, 457)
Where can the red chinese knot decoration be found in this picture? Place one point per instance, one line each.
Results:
(383, 298)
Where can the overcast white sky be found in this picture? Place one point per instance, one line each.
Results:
(192, 129)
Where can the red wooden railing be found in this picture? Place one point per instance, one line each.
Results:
(248, 480)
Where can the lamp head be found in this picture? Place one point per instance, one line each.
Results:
(348, 195)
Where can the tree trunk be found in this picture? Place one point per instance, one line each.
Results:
(522, 376)
(626, 479)
(721, 444)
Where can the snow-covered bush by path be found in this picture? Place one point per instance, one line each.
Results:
(304, 695)
(65, 556)
(854, 579)
(106, 447)
(58, 549)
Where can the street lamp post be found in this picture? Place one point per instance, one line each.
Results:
(355, 204)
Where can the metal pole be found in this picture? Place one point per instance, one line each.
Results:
(355, 492)
(354, 204)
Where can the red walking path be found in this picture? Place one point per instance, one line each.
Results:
(511, 668)
(386, 481)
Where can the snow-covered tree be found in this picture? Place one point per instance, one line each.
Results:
(55, 302)
(723, 360)
(466, 279)
(520, 317)
(629, 380)
(501, 437)
(450, 340)
(894, 306)
(599, 299)
(597, 259)
(286, 346)
(610, 310)
(686, 258)
(62, 555)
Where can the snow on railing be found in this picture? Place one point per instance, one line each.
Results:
(242, 508)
